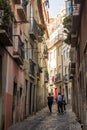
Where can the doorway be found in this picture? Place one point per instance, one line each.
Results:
(30, 99)
(14, 103)
(0, 92)
(26, 86)
(34, 98)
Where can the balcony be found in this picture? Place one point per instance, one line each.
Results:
(78, 1)
(21, 12)
(58, 78)
(32, 68)
(77, 7)
(17, 1)
(65, 78)
(72, 57)
(51, 80)
(45, 52)
(71, 76)
(18, 53)
(6, 35)
(25, 2)
(39, 70)
(41, 32)
(74, 39)
(57, 38)
(72, 67)
(33, 29)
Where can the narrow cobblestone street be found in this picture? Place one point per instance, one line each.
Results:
(43, 120)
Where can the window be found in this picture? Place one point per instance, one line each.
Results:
(64, 55)
(67, 53)
(59, 51)
(31, 51)
(65, 70)
(54, 53)
(26, 83)
(50, 56)
(26, 49)
(31, 11)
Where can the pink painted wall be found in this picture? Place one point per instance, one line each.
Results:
(8, 81)
(14, 71)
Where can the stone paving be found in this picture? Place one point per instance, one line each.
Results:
(44, 120)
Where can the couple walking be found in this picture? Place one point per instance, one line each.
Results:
(61, 103)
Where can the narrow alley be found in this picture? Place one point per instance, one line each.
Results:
(43, 58)
(44, 120)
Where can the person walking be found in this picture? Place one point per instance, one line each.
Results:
(59, 103)
(63, 103)
(56, 94)
(50, 102)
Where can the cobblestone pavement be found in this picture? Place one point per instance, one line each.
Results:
(43, 120)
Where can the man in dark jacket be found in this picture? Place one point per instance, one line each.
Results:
(50, 101)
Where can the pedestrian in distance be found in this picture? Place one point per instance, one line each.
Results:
(63, 103)
(59, 103)
(56, 94)
(50, 102)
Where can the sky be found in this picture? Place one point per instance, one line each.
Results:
(55, 6)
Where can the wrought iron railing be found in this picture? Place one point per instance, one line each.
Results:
(57, 38)
(66, 77)
(18, 46)
(8, 30)
(33, 27)
(58, 77)
(32, 67)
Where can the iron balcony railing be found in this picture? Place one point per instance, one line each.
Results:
(33, 28)
(72, 67)
(39, 71)
(18, 49)
(6, 35)
(58, 77)
(72, 57)
(65, 78)
(32, 67)
(57, 38)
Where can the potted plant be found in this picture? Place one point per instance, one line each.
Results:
(7, 16)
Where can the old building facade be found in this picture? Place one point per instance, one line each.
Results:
(12, 55)
(78, 69)
(55, 53)
(20, 68)
(67, 85)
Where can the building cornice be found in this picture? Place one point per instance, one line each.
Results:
(40, 9)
